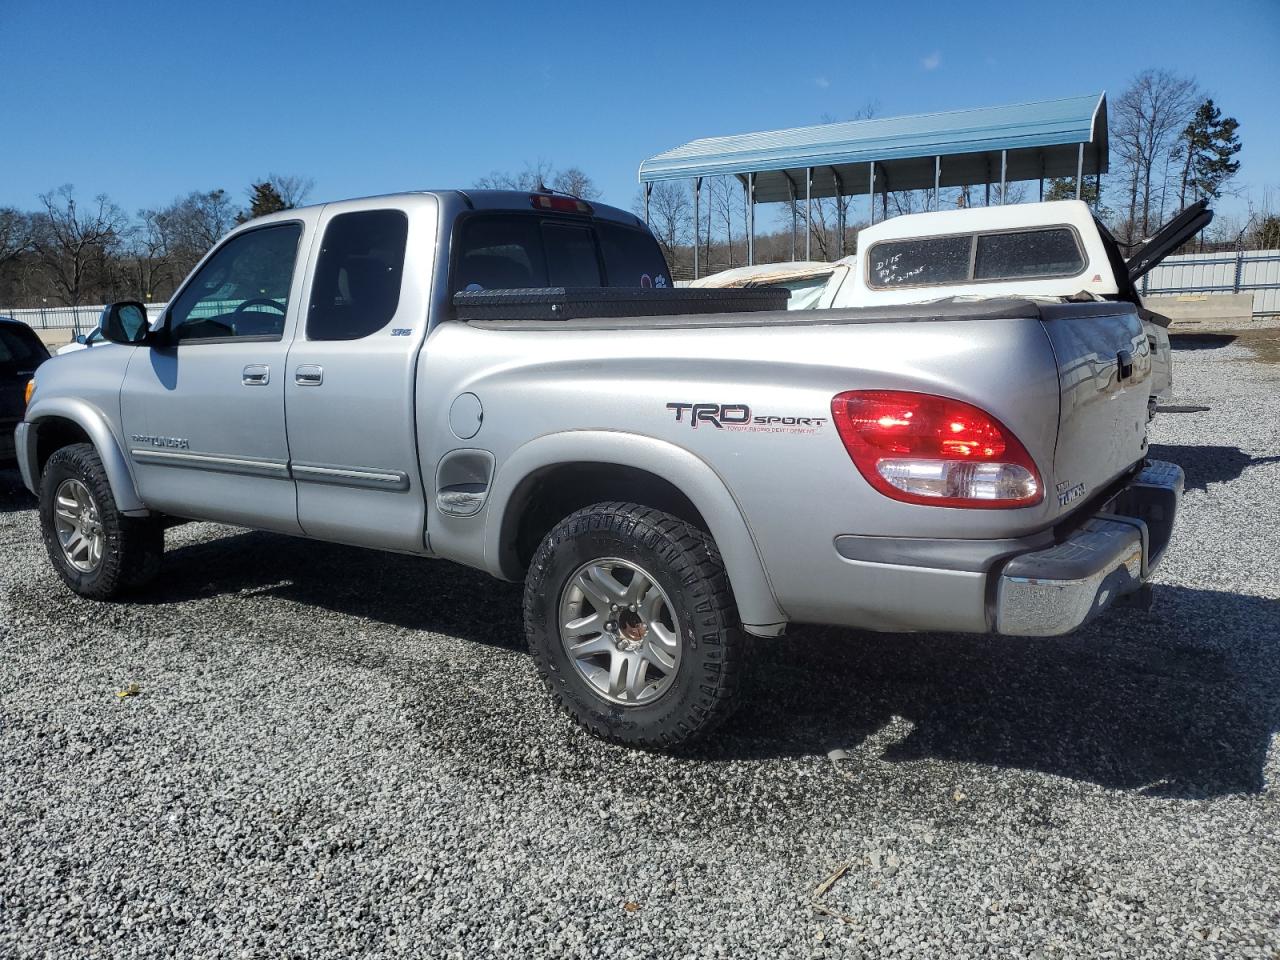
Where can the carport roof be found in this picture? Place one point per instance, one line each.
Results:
(1037, 139)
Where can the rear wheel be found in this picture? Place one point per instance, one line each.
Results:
(96, 550)
(632, 623)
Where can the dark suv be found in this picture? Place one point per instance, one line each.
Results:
(20, 353)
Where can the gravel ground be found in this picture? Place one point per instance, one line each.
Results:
(337, 753)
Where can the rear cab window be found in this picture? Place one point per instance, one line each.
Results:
(21, 348)
(516, 250)
(1038, 253)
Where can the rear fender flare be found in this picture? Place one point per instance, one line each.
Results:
(94, 423)
(695, 478)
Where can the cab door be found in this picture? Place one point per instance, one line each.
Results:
(349, 384)
(203, 414)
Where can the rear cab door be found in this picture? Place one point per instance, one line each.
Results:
(349, 384)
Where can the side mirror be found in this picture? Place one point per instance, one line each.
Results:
(125, 322)
(82, 339)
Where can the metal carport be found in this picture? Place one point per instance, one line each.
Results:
(986, 145)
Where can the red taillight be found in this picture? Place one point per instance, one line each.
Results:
(933, 450)
(547, 201)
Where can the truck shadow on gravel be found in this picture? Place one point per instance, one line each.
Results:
(13, 495)
(1207, 464)
(1180, 701)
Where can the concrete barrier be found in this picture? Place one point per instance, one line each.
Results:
(1191, 312)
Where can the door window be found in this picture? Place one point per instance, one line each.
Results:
(356, 289)
(243, 289)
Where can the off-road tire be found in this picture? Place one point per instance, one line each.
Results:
(686, 564)
(132, 546)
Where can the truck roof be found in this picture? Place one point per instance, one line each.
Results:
(474, 200)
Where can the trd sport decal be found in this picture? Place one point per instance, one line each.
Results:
(738, 416)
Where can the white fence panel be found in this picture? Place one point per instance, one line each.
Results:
(1246, 271)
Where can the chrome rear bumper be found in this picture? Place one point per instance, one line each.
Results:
(1055, 590)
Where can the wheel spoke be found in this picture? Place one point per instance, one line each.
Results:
(609, 584)
(639, 590)
(586, 648)
(617, 674)
(591, 623)
(653, 653)
(593, 591)
(637, 668)
(665, 636)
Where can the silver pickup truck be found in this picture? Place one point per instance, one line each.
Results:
(501, 379)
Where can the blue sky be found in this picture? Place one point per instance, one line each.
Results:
(145, 101)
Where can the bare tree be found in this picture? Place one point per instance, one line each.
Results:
(194, 223)
(15, 234)
(724, 198)
(670, 216)
(292, 188)
(147, 262)
(574, 182)
(534, 175)
(72, 244)
(1146, 123)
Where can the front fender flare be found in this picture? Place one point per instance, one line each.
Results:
(757, 605)
(94, 423)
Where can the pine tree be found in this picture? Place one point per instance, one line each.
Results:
(264, 198)
(1209, 145)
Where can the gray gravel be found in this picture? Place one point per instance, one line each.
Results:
(339, 753)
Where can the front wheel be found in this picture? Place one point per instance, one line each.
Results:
(632, 623)
(97, 551)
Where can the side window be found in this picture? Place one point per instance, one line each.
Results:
(356, 288)
(571, 256)
(242, 291)
(1027, 253)
(910, 263)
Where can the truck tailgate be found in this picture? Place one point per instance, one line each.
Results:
(1104, 370)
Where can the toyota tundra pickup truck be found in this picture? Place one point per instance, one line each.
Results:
(508, 380)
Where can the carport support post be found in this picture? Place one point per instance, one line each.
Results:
(871, 193)
(697, 197)
(808, 212)
(791, 192)
(648, 189)
(1079, 169)
(835, 177)
(937, 183)
(751, 219)
(1004, 173)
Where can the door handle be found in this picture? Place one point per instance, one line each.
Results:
(256, 375)
(309, 375)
